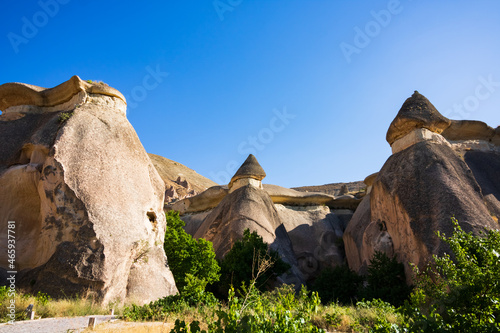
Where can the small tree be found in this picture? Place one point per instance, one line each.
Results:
(386, 280)
(240, 265)
(459, 293)
(339, 284)
(191, 261)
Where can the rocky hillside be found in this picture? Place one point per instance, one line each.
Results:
(180, 181)
(333, 189)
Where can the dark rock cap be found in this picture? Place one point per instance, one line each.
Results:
(416, 112)
(249, 169)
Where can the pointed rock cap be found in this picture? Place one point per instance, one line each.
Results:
(15, 94)
(416, 112)
(249, 169)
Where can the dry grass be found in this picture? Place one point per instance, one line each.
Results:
(50, 308)
(132, 327)
(336, 318)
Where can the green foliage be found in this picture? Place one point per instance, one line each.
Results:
(96, 82)
(4, 292)
(63, 116)
(240, 265)
(386, 280)
(191, 261)
(42, 298)
(378, 320)
(339, 284)
(161, 308)
(182, 327)
(193, 265)
(459, 293)
(278, 311)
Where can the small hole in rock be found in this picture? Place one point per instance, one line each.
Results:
(151, 216)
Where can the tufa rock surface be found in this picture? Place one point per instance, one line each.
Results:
(422, 186)
(180, 181)
(299, 225)
(86, 200)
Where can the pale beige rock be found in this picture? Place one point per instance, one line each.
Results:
(416, 136)
(180, 181)
(461, 130)
(19, 94)
(287, 196)
(81, 226)
(210, 198)
(204, 201)
(369, 182)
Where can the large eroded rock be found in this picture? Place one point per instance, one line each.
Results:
(299, 225)
(427, 181)
(86, 200)
(248, 207)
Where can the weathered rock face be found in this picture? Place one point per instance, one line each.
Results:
(420, 187)
(248, 207)
(210, 198)
(316, 235)
(299, 225)
(79, 225)
(469, 130)
(180, 181)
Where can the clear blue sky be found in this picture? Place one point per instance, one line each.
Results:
(309, 86)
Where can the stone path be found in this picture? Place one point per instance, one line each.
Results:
(53, 325)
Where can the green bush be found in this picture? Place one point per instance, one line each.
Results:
(241, 263)
(191, 261)
(280, 311)
(459, 293)
(386, 280)
(339, 284)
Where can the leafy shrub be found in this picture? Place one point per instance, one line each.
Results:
(459, 294)
(278, 311)
(63, 116)
(386, 280)
(339, 284)
(42, 298)
(240, 265)
(191, 261)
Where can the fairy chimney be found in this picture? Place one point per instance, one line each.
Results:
(250, 172)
